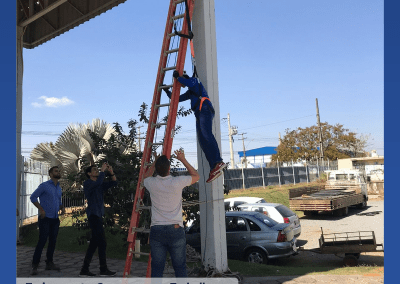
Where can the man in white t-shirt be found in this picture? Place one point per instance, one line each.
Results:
(166, 231)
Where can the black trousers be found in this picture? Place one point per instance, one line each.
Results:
(48, 228)
(98, 240)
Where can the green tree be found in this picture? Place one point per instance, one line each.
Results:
(303, 143)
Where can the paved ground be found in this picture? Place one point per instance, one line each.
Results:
(70, 264)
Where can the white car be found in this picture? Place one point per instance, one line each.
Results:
(231, 203)
(278, 212)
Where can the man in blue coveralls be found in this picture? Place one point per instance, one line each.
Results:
(49, 194)
(204, 113)
(94, 188)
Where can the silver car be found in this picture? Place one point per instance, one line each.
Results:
(251, 236)
(278, 212)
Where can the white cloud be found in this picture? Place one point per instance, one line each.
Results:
(54, 102)
(36, 105)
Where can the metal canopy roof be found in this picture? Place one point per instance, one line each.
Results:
(259, 151)
(46, 19)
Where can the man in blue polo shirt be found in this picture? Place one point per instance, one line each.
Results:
(94, 188)
(49, 193)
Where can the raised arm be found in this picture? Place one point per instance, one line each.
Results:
(180, 155)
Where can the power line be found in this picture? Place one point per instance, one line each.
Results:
(277, 122)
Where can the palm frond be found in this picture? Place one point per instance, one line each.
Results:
(44, 153)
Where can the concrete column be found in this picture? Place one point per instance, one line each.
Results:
(212, 214)
(19, 118)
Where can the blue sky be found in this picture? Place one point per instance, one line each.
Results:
(274, 59)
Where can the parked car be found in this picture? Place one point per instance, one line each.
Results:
(232, 203)
(278, 212)
(251, 236)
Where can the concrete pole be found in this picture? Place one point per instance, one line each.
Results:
(19, 164)
(244, 151)
(231, 142)
(294, 177)
(212, 220)
(306, 171)
(321, 151)
(279, 174)
(140, 146)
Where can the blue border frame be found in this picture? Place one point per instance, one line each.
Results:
(8, 141)
(8, 114)
(392, 91)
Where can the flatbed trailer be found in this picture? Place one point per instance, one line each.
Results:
(335, 196)
(333, 200)
(348, 245)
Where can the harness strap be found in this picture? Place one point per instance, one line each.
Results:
(202, 101)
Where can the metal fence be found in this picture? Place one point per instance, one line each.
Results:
(257, 177)
(270, 176)
(34, 174)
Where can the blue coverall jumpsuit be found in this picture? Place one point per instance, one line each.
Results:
(203, 118)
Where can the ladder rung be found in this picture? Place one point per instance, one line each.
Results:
(172, 51)
(178, 17)
(147, 164)
(141, 253)
(159, 124)
(169, 68)
(140, 230)
(162, 105)
(174, 34)
(143, 207)
(165, 87)
(179, 1)
(159, 143)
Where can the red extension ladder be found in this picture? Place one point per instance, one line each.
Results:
(180, 54)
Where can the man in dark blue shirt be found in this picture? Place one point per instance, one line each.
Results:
(204, 112)
(49, 193)
(94, 188)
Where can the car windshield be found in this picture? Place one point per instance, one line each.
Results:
(285, 212)
(261, 201)
(266, 220)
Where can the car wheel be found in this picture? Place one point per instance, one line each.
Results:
(256, 255)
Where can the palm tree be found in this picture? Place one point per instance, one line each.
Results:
(73, 146)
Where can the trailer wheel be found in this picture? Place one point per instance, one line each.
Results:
(362, 204)
(357, 255)
(350, 260)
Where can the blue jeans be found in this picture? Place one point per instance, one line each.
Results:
(206, 138)
(48, 228)
(98, 240)
(165, 238)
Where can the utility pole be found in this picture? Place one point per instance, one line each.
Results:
(232, 131)
(140, 147)
(321, 151)
(244, 151)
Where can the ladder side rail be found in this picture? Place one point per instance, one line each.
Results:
(168, 138)
(149, 137)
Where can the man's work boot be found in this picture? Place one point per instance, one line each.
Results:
(34, 269)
